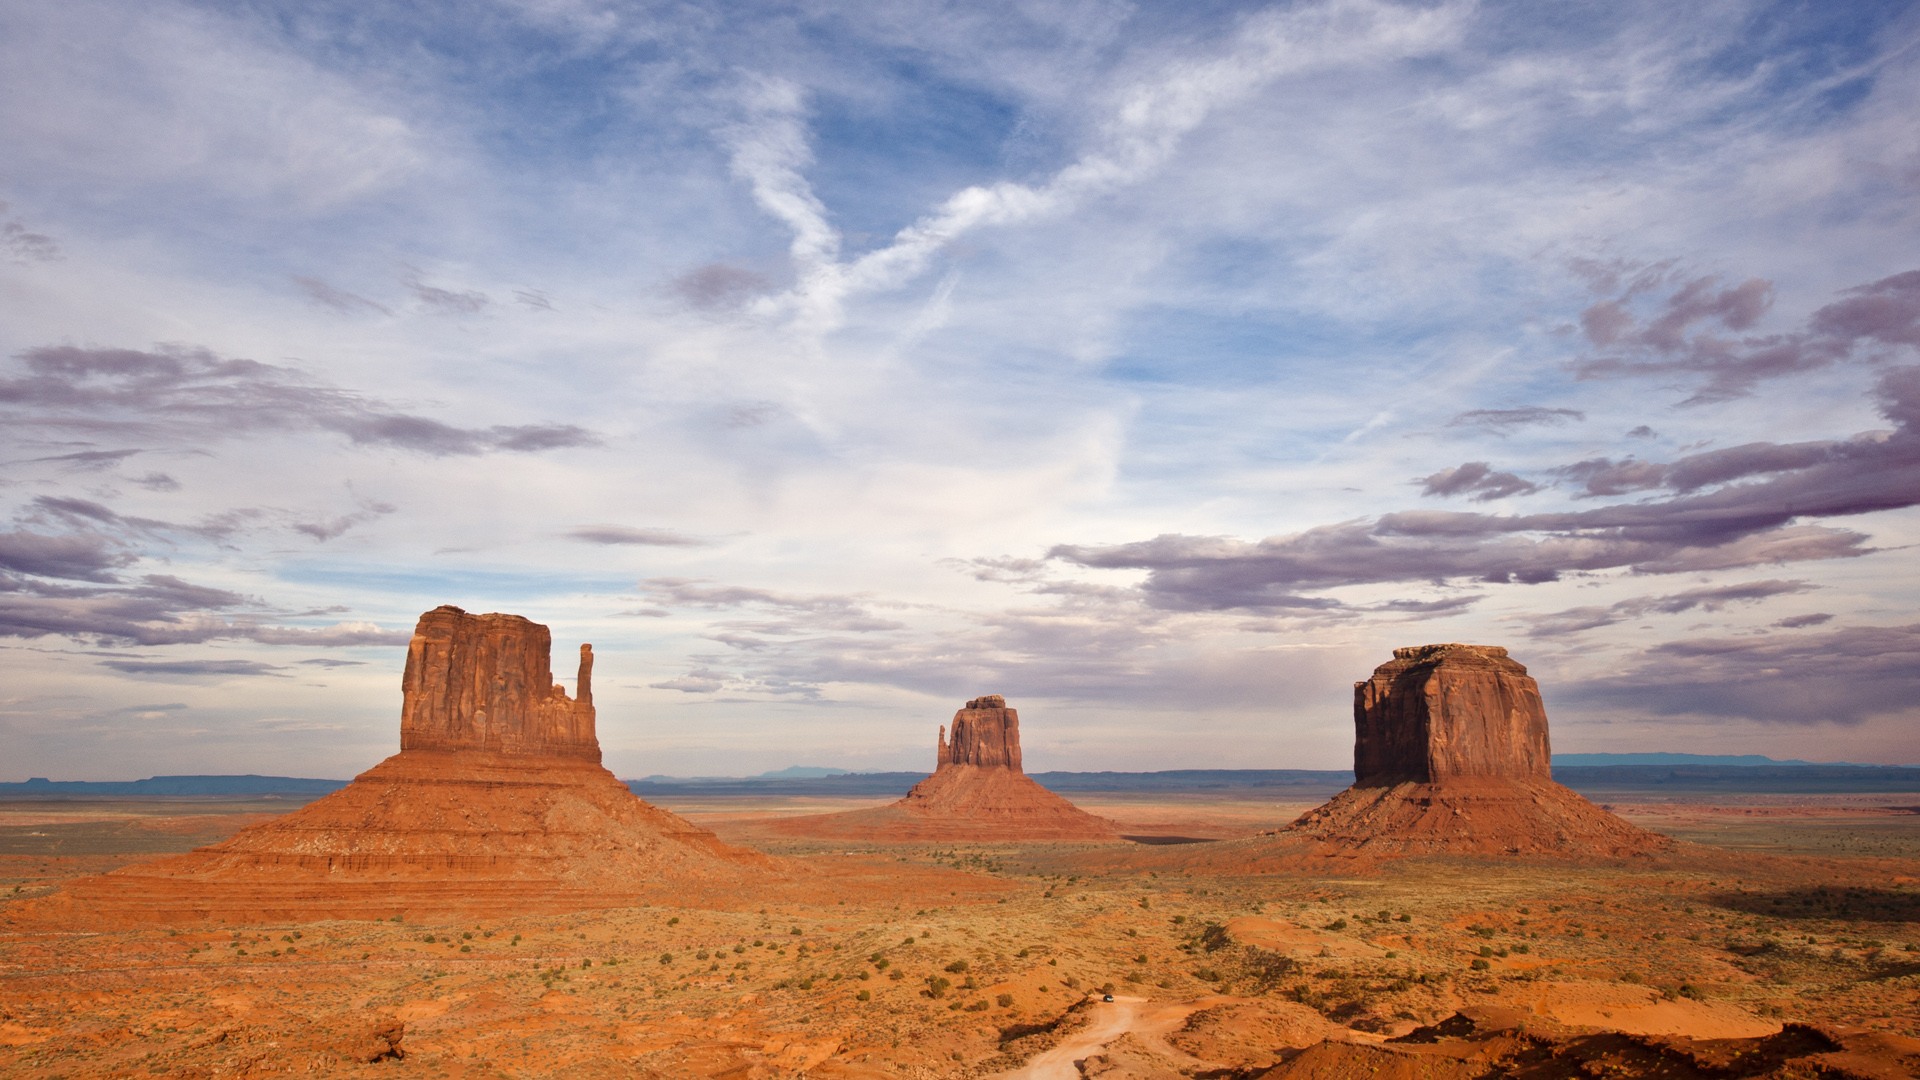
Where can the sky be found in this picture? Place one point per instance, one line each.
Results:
(1161, 367)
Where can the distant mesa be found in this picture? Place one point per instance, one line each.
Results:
(495, 804)
(1451, 755)
(978, 791)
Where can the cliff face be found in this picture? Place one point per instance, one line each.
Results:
(986, 732)
(485, 682)
(1440, 712)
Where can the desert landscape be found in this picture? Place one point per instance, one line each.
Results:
(483, 905)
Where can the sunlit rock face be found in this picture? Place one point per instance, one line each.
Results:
(485, 682)
(1439, 712)
(986, 732)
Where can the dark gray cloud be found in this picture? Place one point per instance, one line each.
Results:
(328, 662)
(338, 299)
(23, 245)
(195, 669)
(1698, 331)
(1799, 622)
(158, 481)
(91, 460)
(160, 609)
(1735, 525)
(73, 556)
(719, 287)
(194, 395)
(1503, 421)
(622, 534)
(791, 614)
(447, 301)
(1713, 598)
(1842, 676)
(328, 529)
(1478, 479)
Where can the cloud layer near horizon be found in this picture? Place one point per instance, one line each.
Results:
(1161, 369)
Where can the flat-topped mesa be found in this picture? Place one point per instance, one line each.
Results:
(485, 682)
(1435, 713)
(986, 733)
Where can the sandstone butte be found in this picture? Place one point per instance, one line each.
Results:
(1450, 755)
(496, 804)
(978, 791)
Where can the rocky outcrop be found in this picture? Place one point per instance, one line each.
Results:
(978, 791)
(496, 804)
(986, 732)
(1451, 756)
(485, 682)
(1438, 712)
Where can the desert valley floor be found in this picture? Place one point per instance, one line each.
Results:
(974, 960)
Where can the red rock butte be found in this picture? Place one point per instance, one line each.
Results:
(495, 804)
(978, 791)
(1451, 755)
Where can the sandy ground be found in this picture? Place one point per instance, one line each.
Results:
(1804, 911)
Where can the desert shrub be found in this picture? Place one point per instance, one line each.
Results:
(795, 931)
(865, 975)
(468, 936)
(1480, 965)
(957, 966)
(1141, 959)
(896, 975)
(675, 921)
(463, 948)
(882, 964)
(1106, 988)
(666, 958)
(1481, 931)
(1523, 948)
(806, 984)
(428, 939)
(1688, 990)
(1178, 919)
(1632, 977)
(1003, 1000)
(979, 1006)
(864, 995)
(1207, 974)
(701, 955)
(1404, 917)
(1071, 982)
(1024, 953)
(1337, 924)
(937, 986)
(1214, 937)
(1146, 903)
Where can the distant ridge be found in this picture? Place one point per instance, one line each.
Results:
(249, 784)
(1581, 772)
(1741, 760)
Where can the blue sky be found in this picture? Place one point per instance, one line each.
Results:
(1161, 368)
